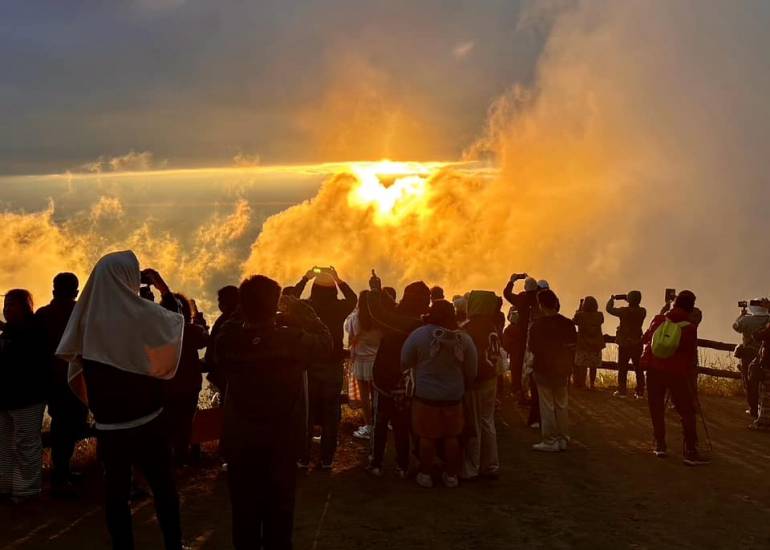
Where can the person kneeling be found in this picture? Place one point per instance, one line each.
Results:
(552, 340)
(443, 361)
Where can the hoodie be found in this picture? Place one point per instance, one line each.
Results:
(444, 362)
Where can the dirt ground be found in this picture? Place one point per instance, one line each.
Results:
(608, 491)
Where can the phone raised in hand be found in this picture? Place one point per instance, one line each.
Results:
(620, 297)
(670, 294)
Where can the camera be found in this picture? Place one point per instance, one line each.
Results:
(743, 304)
(670, 294)
(318, 270)
(620, 297)
(519, 276)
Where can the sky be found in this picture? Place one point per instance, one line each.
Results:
(602, 145)
(198, 82)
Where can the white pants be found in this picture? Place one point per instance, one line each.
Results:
(554, 417)
(21, 451)
(481, 451)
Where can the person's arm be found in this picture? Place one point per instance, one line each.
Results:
(349, 298)
(656, 322)
(198, 336)
(410, 352)
(508, 293)
(315, 341)
(386, 318)
(611, 309)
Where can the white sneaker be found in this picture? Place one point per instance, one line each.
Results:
(364, 432)
(424, 480)
(619, 394)
(563, 444)
(535, 425)
(303, 465)
(546, 447)
(450, 482)
(376, 472)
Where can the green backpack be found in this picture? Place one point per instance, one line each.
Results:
(666, 338)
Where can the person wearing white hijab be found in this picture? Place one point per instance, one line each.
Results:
(120, 347)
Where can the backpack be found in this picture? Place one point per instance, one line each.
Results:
(666, 338)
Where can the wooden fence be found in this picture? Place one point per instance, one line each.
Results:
(702, 343)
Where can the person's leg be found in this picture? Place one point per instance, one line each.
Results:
(401, 420)
(28, 458)
(534, 404)
(752, 391)
(489, 462)
(7, 450)
(623, 359)
(592, 378)
(115, 451)
(314, 400)
(246, 481)
(561, 411)
(279, 498)
(68, 423)
(579, 376)
(548, 425)
(365, 391)
(472, 461)
(636, 361)
(155, 459)
(427, 455)
(331, 389)
(684, 401)
(453, 456)
(382, 409)
(656, 400)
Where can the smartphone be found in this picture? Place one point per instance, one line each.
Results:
(670, 294)
(620, 297)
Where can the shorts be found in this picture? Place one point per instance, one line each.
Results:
(363, 368)
(588, 359)
(437, 421)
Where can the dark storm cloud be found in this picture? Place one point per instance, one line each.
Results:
(198, 82)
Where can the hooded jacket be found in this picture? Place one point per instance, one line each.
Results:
(444, 362)
(685, 357)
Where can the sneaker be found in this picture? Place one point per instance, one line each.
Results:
(302, 465)
(402, 474)
(374, 471)
(535, 425)
(364, 432)
(638, 396)
(619, 394)
(563, 444)
(224, 466)
(694, 458)
(424, 480)
(660, 450)
(450, 482)
(546, 447)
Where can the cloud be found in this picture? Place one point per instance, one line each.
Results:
(463, 49)
(130, 162)
(243, 160)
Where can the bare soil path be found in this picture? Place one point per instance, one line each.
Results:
(608, 491)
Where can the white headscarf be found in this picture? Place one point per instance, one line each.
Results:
(113, 325)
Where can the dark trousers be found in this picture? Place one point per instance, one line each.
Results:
(179, 411)
(751, 385)
(324, 388)
(633, 355)
(385, 411)
(147, 448)
(262, 485)
(68, 425)
(517, 362)
(678, 386)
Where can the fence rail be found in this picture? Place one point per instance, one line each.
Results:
(702, 343)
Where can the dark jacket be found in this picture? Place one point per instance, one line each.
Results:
(263, 366)
(525, 303)
(331, 310)
(484, 332)
(629, 331)
(552, 340)
(685, 358)
(590, 335)
(188, 377)
(52, 320)
(23, 379)
(396, 325)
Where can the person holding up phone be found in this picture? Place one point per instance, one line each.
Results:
(629, 340)
(325, 376)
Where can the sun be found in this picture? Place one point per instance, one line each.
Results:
(392, 189)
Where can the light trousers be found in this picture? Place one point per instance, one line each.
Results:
(481, 450)
(21, 451)
(554, 414)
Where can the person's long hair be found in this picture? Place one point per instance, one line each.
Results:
(365, 321)
(186, 307)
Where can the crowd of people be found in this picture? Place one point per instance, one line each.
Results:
(426, 370)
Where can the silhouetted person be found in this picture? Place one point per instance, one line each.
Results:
(750, 323)
(590, 343)
(524, 302)
(552, 341)
(120, 349)
(436, 294)
(325, 376)
(390, 292)
(263, 357)
(68, 414)
(183, 390)
(674, 374)
(443, 360)
(629, 341)
(22, 398)
(228, 301)
(483, 326)
(390, 407)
